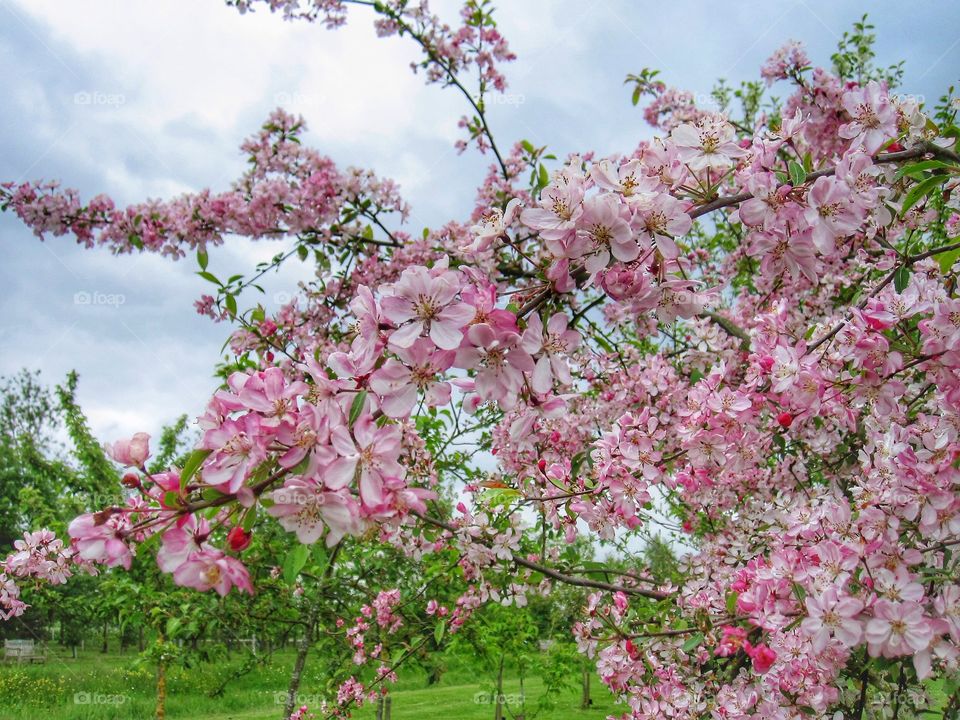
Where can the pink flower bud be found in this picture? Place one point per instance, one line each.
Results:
(132, 452)
(238, 539)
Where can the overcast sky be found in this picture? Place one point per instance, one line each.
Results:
(138, 98)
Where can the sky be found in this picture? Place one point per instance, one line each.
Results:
(142, 99)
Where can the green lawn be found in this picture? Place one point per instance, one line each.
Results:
(113, 687)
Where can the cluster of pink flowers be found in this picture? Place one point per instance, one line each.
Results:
(38, 556)
(288, 190)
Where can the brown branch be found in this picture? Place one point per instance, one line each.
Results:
(556, 574)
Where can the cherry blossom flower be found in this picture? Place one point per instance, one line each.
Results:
(101, 538)
(305, 508)
(422, 302)
(187, 536)
(661, 219)
(213, 569)
(399, 383)
(830, 615)
(499, 359)
(556, 345)
(366, 451)
(237, 448)
(559, 211)
(874, 119)
(897, 629)
(707, 145)
(602, 228)
(133, 452)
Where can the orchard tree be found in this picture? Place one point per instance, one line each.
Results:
(747, 328)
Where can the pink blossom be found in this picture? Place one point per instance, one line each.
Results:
(213, 569)
(602, 228)
(708, 144)
(897, 629)
(559, 211)
(187, 536)
(368, 451)
(424, 302)
(399, 382)
(831, 615)
(659, 219)
(499, 359)
(556, 345)
(133, 452)
(101, 538)
(305, 508)
(874, 120)
(238, 447)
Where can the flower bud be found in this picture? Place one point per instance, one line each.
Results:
(238, 539)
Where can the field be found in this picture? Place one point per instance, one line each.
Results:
(116, 687)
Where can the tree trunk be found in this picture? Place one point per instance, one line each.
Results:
(498, 707)
(380, 704)
(140, 639)
(161, 690)
(585, 701)
(389, 701)
(303, 647)
(106, 643)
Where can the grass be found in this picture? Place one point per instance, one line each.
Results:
(116, 687)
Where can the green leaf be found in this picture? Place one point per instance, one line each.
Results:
(921, 190)
(320, 554)
(231, 302)
(732, 602)
(249, 519)
(357, 407)
(202, 259)
(191, 466)
(901, 278)
(797, 174)
(921, 167)
(544, 177)
(693, 642)
(294, 561)
(439, 630)
(210, 277)
(947, 259)
(171, 499)
(173, 624)
(528, 146)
